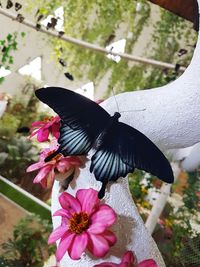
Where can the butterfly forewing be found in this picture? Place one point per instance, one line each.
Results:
(83, 120)
(74, 109)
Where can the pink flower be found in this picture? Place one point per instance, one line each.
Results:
(59, 163)
(84, 225)
(129, 260)
(43, 128)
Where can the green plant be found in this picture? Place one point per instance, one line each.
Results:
(182, 246)
(191, 196)
(15, 155)
(28, 246)
(7, 47)
(139, 189)
(99, 22)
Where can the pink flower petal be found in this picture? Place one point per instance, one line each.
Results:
(147, 263)
(129, 259)
(35, 166)
(74, 161)
(98, 245)
(33, 132)
(63, 166)
(63, 213)
(107, 264)
(55, 130)
(105, 216)
(69, 203)
(57, 234)
(43, 182)
(78, 246)
(110, 237)
(42, 175)
(51, 176)
(38, 123)
(88, 199)
(96, 228)
(64, 244)
(43, 135)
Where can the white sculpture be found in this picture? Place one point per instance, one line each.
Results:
(170, 117)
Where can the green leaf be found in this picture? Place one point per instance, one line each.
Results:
(9, 37)
(23, 34)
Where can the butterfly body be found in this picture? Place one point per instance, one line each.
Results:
(108, 128)
(119, 148)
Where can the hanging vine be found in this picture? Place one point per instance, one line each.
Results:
(101, 22)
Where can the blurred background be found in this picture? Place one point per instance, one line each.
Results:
(163, 35)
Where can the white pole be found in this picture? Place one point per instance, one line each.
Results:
(94, 47)
(161, 201)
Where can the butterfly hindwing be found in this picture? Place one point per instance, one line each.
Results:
(82, 119)
(73, 142)
(107, 163)
(122, 150)
(108, 166)
(139, 151)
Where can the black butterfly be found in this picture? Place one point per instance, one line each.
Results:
(9, 4)
(119, 148)
(61, 33)
(62, 62)
(38, 26)
(18, 6)
(69, 76)
(52, 24)
(20, 18)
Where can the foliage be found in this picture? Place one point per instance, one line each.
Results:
(8, 125)
(16, 116)
(139, 184)
(24, 200)
(15, 155)
(176, 236)
(16, 151)
(191, 196)
(95, 22)
(7, 47)
(190, 253)
(102, 22)
(28, 246)
(184, 239)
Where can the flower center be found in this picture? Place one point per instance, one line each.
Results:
(57, 156)
(79, 222)
(48, 119)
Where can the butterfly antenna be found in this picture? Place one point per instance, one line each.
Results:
(53, 155)
(133, 110)
(115, 99)
(101, 193)
(124, 110)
